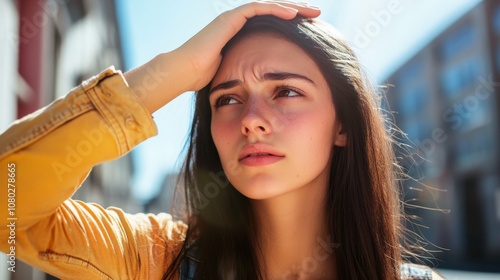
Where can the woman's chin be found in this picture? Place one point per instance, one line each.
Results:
(261, 189)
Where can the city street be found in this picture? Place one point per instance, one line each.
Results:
(465, 275)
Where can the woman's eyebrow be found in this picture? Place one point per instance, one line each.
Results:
(280, 76)
(276, 76)
(226, 85)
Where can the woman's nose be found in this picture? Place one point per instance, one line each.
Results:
(255, 119)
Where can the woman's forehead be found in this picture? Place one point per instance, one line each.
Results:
(263, 53)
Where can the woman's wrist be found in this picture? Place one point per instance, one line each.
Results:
(158, 81)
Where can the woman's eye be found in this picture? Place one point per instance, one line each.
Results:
(225, 100)
(286, 92)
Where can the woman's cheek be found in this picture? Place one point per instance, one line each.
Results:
(288, 116)
(224, 135)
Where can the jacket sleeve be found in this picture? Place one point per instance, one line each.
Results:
(45, 157)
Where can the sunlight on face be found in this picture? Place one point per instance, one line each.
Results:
(273, 120)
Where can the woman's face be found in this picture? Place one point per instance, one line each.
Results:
(273, 120)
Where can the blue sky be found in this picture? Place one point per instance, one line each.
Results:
(384, 33)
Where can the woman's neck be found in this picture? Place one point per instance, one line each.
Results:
(293, 234)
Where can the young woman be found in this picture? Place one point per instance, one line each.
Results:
(289, 174)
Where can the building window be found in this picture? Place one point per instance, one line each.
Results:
(411, 73)
(475, 113)
(413, 89)
(462, 75)
(496, 20)
(450, 82)
(417, 130)
(414, 101)
(474, 149)
(497, 203)
(412, 130)
(458, 42)
(498, 57)
(76, 10)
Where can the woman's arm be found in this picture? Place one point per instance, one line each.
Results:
(193, 65)
(53, 149)
(44, 159)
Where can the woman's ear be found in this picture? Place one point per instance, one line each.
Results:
(340, 137)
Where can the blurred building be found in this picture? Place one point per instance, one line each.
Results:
(48, 47)
(163, 201)
(446, 99)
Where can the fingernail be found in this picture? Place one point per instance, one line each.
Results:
(313, 7)
(292, 10)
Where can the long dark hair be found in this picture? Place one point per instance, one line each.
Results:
(362, 209)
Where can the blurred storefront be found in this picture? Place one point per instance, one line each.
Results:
(446, 100)
(48, 47)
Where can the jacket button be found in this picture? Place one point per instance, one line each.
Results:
(130, 123)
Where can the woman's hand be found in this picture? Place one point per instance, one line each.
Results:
(202, 52)
(193, 65)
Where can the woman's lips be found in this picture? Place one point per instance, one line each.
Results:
(259, 154)
(260, 159)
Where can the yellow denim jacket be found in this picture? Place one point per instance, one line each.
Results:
(45, 157)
